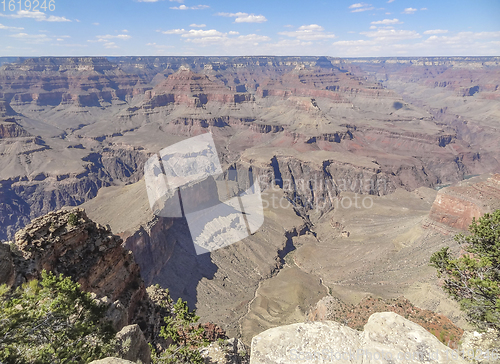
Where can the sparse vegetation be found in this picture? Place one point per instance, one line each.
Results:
(185, 334)
(52, 321)
(356, 316)
(72, 219)
(473, 279)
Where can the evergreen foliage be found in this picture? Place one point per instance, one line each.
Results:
(473, 279)
(52, 321)
(186, 336)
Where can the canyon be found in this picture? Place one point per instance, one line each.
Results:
(351, 155)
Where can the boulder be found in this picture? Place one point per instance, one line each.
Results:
(132, 345)
(116, 313)
(112, 361)
(387, 338)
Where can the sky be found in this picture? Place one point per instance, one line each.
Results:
(387, 28)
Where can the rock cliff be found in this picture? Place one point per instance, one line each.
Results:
(387, 338)
(67, 242)
(455, 206)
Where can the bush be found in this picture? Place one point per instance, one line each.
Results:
(52, 321)
(72, 219)
(185, 335)
(473, 279)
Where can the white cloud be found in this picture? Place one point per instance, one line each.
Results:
(245, 17)
(197, 25)
(309, 32)
(10, 28)
(391, 43)
(174, 31)
(96, 24)
(37, 15)
(436, 31)
(220, 42)
(160, 46)
(106, 39)
(423, 9)
(53, 18)
(109, 36)
(387, 22)
(124, 31)
(391, 34)
(31, 38)
(353, 42)
(409, 11)
(110, 45)
(177, 1)
(249, 38)
(223, 40)
(250, 18)
(359, 7)
(390, 1)
(184, 7)
(202, 33)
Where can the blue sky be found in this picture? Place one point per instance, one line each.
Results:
(257, 27)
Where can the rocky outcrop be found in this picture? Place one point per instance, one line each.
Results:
(67, 242)
(456, 206)
(12, 130)
(335, 84)
(132, 345)
(195, 90)
(387, 338)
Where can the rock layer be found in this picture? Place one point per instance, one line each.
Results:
(456, 206)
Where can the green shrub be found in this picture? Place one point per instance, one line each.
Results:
(52, 321)
(187, 337)
(473, 279)
(72, 219)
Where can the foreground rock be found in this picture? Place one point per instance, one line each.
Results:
(112, 361)
(485, 346)
(132, 345)
(387, 338)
